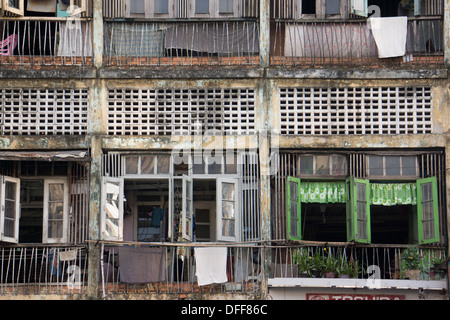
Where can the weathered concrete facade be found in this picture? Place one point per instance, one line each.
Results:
(263, 80)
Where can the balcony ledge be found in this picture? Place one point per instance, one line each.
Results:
(340, 283)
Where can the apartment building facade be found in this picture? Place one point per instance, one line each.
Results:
(196, 149)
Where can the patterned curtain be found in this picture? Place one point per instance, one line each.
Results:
(322, 192)
(391, 194)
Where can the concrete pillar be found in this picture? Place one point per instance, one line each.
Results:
(264, 132)
(97, 128)
(447, 32)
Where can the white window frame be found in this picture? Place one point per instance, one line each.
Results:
(237, 216)
(320, 10)
(45, 225)
(5, 7)
(359, 7)
(103, 216)
(3, 180)
(187, 213)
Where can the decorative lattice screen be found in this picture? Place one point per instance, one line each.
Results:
(341, 111)
(181, 111)
(43, 111)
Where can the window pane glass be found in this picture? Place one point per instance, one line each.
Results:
(322, 165)
(339, 165)
(227, 191)
(375, 165)
(112, 209)
(392, 166)
(427, 192)
(199, 164)
(56, 192)
(215, 164)
(148, 164)
(163, 164)
(10, 209)
(409, 166)
(131, 166)
(333, 7)
(226, 6)
(201, 6)
(161, 6)
(306, 164)
(294, 190)
(230, 164)
(294, 231)
(137, 6)
(228, 228)
(308, 7)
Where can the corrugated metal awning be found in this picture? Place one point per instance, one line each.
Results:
(73, 155)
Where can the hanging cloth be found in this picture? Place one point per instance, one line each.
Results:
(322, 192)
(211, 265)
(41, 5)
(390, 35)
(391, 194)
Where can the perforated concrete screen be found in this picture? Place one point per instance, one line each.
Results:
(43, 111)
(181, 111)
(356, 111)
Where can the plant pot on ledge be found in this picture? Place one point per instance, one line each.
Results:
(412, 274)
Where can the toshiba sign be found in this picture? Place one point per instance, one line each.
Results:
(319, 296)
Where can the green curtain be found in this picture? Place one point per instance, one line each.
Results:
(391, 194)
(322, 192)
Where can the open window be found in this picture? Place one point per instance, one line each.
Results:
(187, 211)
(358, 210)
(427, 211)
(293, 209)
(111, 220)
(228, 222)
(12, 7)
(56, 211)
(365, 212)
(359, 7)
(9, 209)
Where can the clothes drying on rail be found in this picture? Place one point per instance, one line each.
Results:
(41, 5)
(390, 35)
(211, 265)
(141, 264)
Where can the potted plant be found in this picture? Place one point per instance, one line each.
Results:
(348, 269)
(331, 267)
(411, 263)
(304, 262)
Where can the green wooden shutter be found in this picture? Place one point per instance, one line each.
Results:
(427, 211)
(358, 211)
(293, 209)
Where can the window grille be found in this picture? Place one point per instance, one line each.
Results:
(181, 111)
(356, 111)
(43, 111)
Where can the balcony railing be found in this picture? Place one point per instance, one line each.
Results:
(175, 271)
(181, 43)
(48, 41)
(319, 43)
(42, 270)
(388, 262)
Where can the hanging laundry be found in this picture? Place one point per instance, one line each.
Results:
(41, 5)
(141, 265)
(390, 35)
(211, 265)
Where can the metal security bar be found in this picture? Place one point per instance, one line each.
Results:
(181, 43)
(43, 270)
(310, 43)
(383, 262)
(55, 41)
(176, 272)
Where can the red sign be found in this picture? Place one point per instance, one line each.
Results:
(339, 296)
